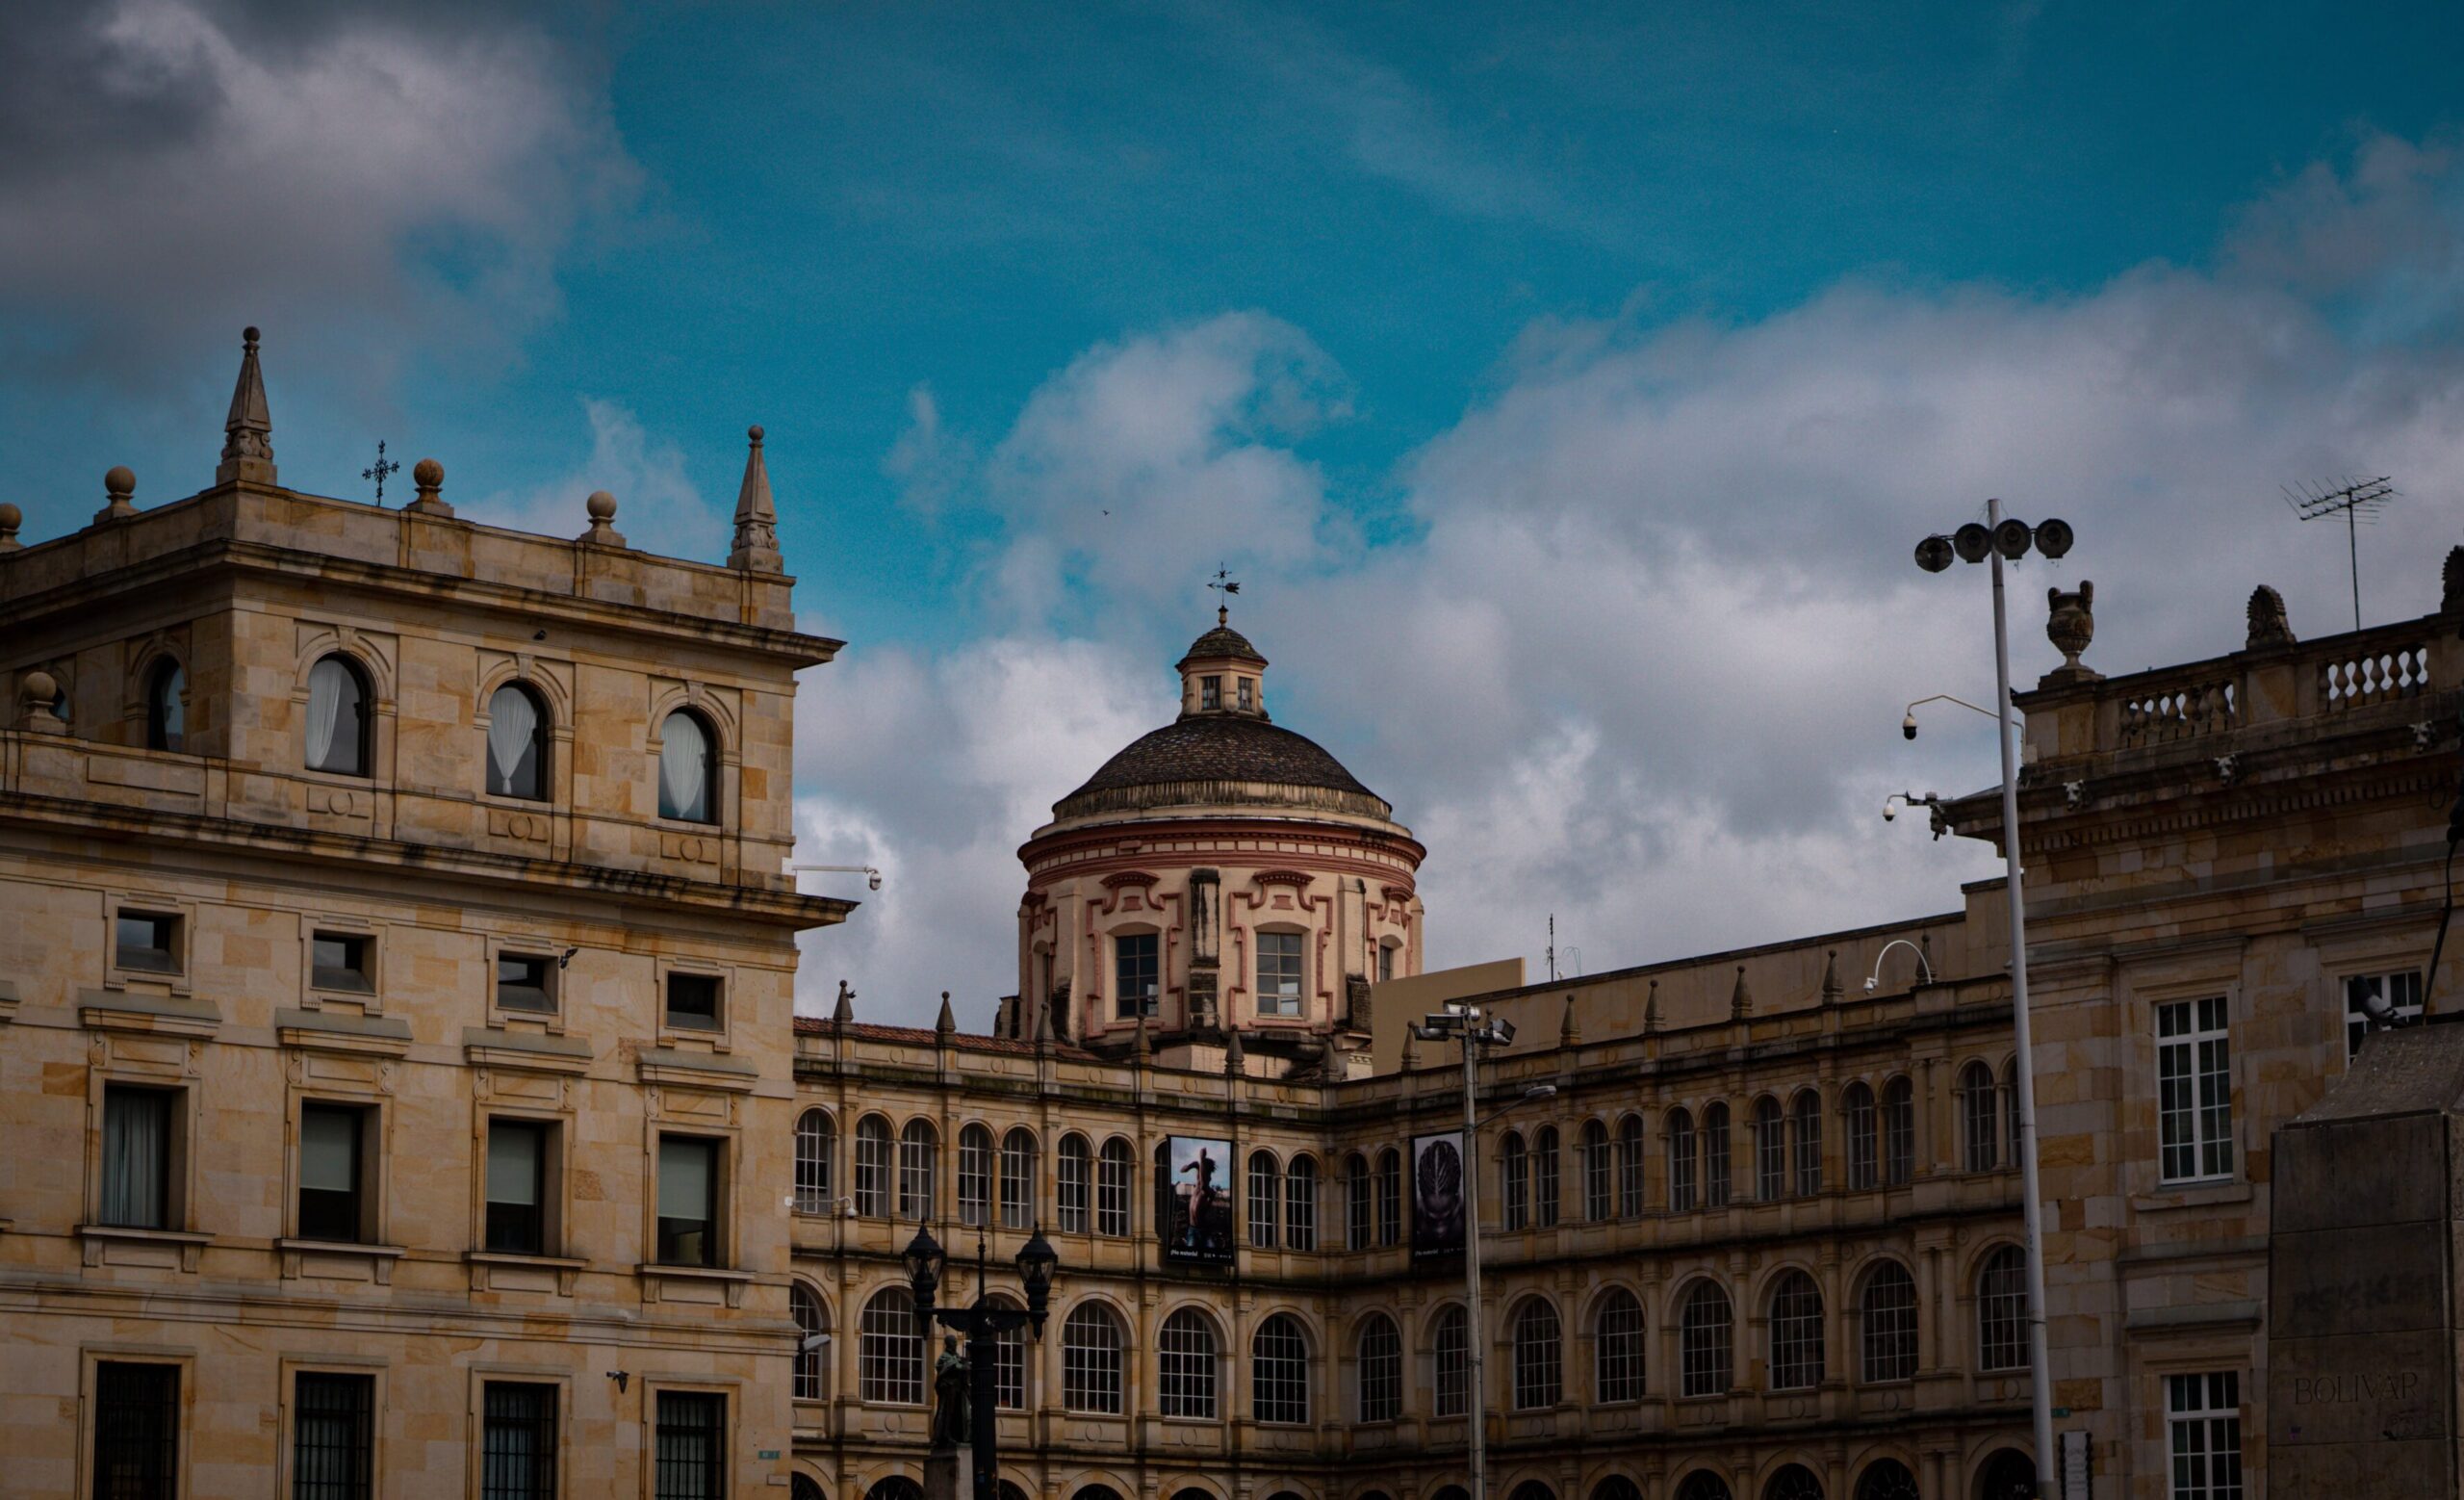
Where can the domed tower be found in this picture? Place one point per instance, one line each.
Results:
(1222, 874)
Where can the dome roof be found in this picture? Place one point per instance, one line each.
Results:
(1223, 641)
(1217, 759)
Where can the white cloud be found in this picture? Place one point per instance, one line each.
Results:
(658, 508)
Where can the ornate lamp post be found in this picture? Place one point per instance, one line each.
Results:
(980, 1323)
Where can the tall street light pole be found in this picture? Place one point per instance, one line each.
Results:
(981, 1323)
(1994, 542)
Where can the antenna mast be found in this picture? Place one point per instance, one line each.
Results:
(2352, 499)
(1553, 947)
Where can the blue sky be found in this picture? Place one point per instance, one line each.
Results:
(1568, 383)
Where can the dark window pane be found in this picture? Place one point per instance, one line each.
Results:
(517, 1184)
(147, 942)
(330, 1173)
(518, 1453)
(522, 982)
(689, 1184)
(136, 1430)
(692, 1458)
(693, 1000)
(333, 1436)
(339, 961)
(1138, 975)
(137, 1157)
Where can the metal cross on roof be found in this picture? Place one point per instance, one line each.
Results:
(380, 469)
(1225, 586)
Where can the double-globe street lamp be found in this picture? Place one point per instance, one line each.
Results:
(981, 1322)
(1997, 541)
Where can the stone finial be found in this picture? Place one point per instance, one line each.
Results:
(2269, 625)
(1651, 1011)
(36, 691)
(946, 1024)
(845, 1011)
(10, 518)
(248, 432)
(119, 483)
(1569, 1031)
(600, 507)
(756, 518)
(1411, 1054)
(2070, 624)
(1236, 1060)
(2450, 581)
(1832, 990)
(1741, 999)
(428, 476)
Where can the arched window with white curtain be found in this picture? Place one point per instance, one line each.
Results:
(338, 717)
(167, 688)
(516, 743)
(688, 769)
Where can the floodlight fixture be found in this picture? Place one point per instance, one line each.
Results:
(1934, 553)
(2054, 538)
(1972, 542)
(2010, 539)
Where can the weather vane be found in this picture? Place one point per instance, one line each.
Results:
(380, 469)
(1225, 586)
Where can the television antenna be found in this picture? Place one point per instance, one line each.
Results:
(2355, 500)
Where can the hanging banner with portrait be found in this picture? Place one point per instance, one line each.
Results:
(1437, 1195)
(1195, 1196)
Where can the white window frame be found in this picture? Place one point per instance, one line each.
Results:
(2203, 1436)
(2406, 983)
(2195, 1047)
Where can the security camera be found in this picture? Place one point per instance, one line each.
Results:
(873, 881)
(813, 1343)
(1907, 727)
(1869, 986)
(1889, 811)
(846, 1208)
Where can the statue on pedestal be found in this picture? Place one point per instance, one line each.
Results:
(953, 1382)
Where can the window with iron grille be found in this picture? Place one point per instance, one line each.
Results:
(1070, 1172)
(692, 1461)
(1451, 1352)
(1598, 1201)
(1719, 1169)
(136, 1175)
(2401, 991)
(975, 1174)
(1514, 1169)
(1009, 1364)
(517, 1442)
(816, 1144)
(1899, 1132)
(1796, 1332)
(1630, 1167)
(1704, 1484)
(1381, 1370)
(806, 1308)
(872, 1167)
(1544, 1177)
(1887, 1479)
(890, 1353)
(1795, 1481)
(1091, 1340)
(1865, 1157)
(1279, 973)
(1185, 1366)
(1355, 1201)
(2194, 1090)
(1706, 1351)
(1805, 1137)
(333, 1436)
(1137, 974)
(136, 1430)
(1279, 1371)
(1300, 1204)
(1616, 1487)
(1266, 1193)
(1390, 1198)
(2203, 1436)
(917, 1148)
(1770, 1151)
(1539, 1356)
(1018, 1180)
(1886, 1324)
(1980, 1125)
(1617, 1349)
(1111, 1188)
(1681, 1162)
(2002, 1311)
(516, 1187)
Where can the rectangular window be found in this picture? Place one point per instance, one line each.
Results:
(1544, 1180)
(1356, 1207)
(688, 1201)
(333, 1204)
(518, 1187)
(1770, 1156)
(1210, 693)
(1070, 1186)
(146, 940)
(340, 961)
(2399, 996)
(2195, 1090)
(1279, 973)
(693, 1001)
(333, 1436)
(1111, 1189)
(1265, 1191)
(1385, 962)
(692, 1451)
(1248, 688)
(136, 1430)
(975, 1177)
(518, 1444)
(2203, 1436)
(1719, 1171)
(1300, 1207)
(1010, 1370)
(137, 1157)
(1137, 974)
(525, 981)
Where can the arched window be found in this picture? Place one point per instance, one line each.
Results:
(338, 717)
(688, 769)
(1680, 1162)
(1793, 1481)
(1770, 1151)
(1514, 1170)
(917, 1145)
(801, 1487)
(1300, 1204)
(1704, 1484)
(1719, 1171)
(516, 743)
(815, 1144)
(2002, 1311)
(1096, 1492)
(1071, 1184)
(1899, 1132)
(1452, 1492)
(1266, 1196)
(1630, 1167)
(1599, 1173)
(1980, 1122)
(1706, 1352)
(1805, 1137)
(897, 1486)
(1539, 1356)
(167, 710)
(1450, 1352)
(1381, 1369)
(975, 1174)
(806, 1308)
(1616, 1487)
(1355, 1201)
(1018, 1179)
(1544, 1177)
(1887, 1478)
(1111, 1189)
(1864, 1141)
(2009, 1475)
(1617, 1348)
(889, 1353)
(1090, 1343)
(1796, 1332)
(1532, 1489)
(872, 1167)
(1390, 1197)
(1185, 1365)
(1009, 1362)
(1279, 1371)
(1886, 1324)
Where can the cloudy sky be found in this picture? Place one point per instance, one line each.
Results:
(1566, 388)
